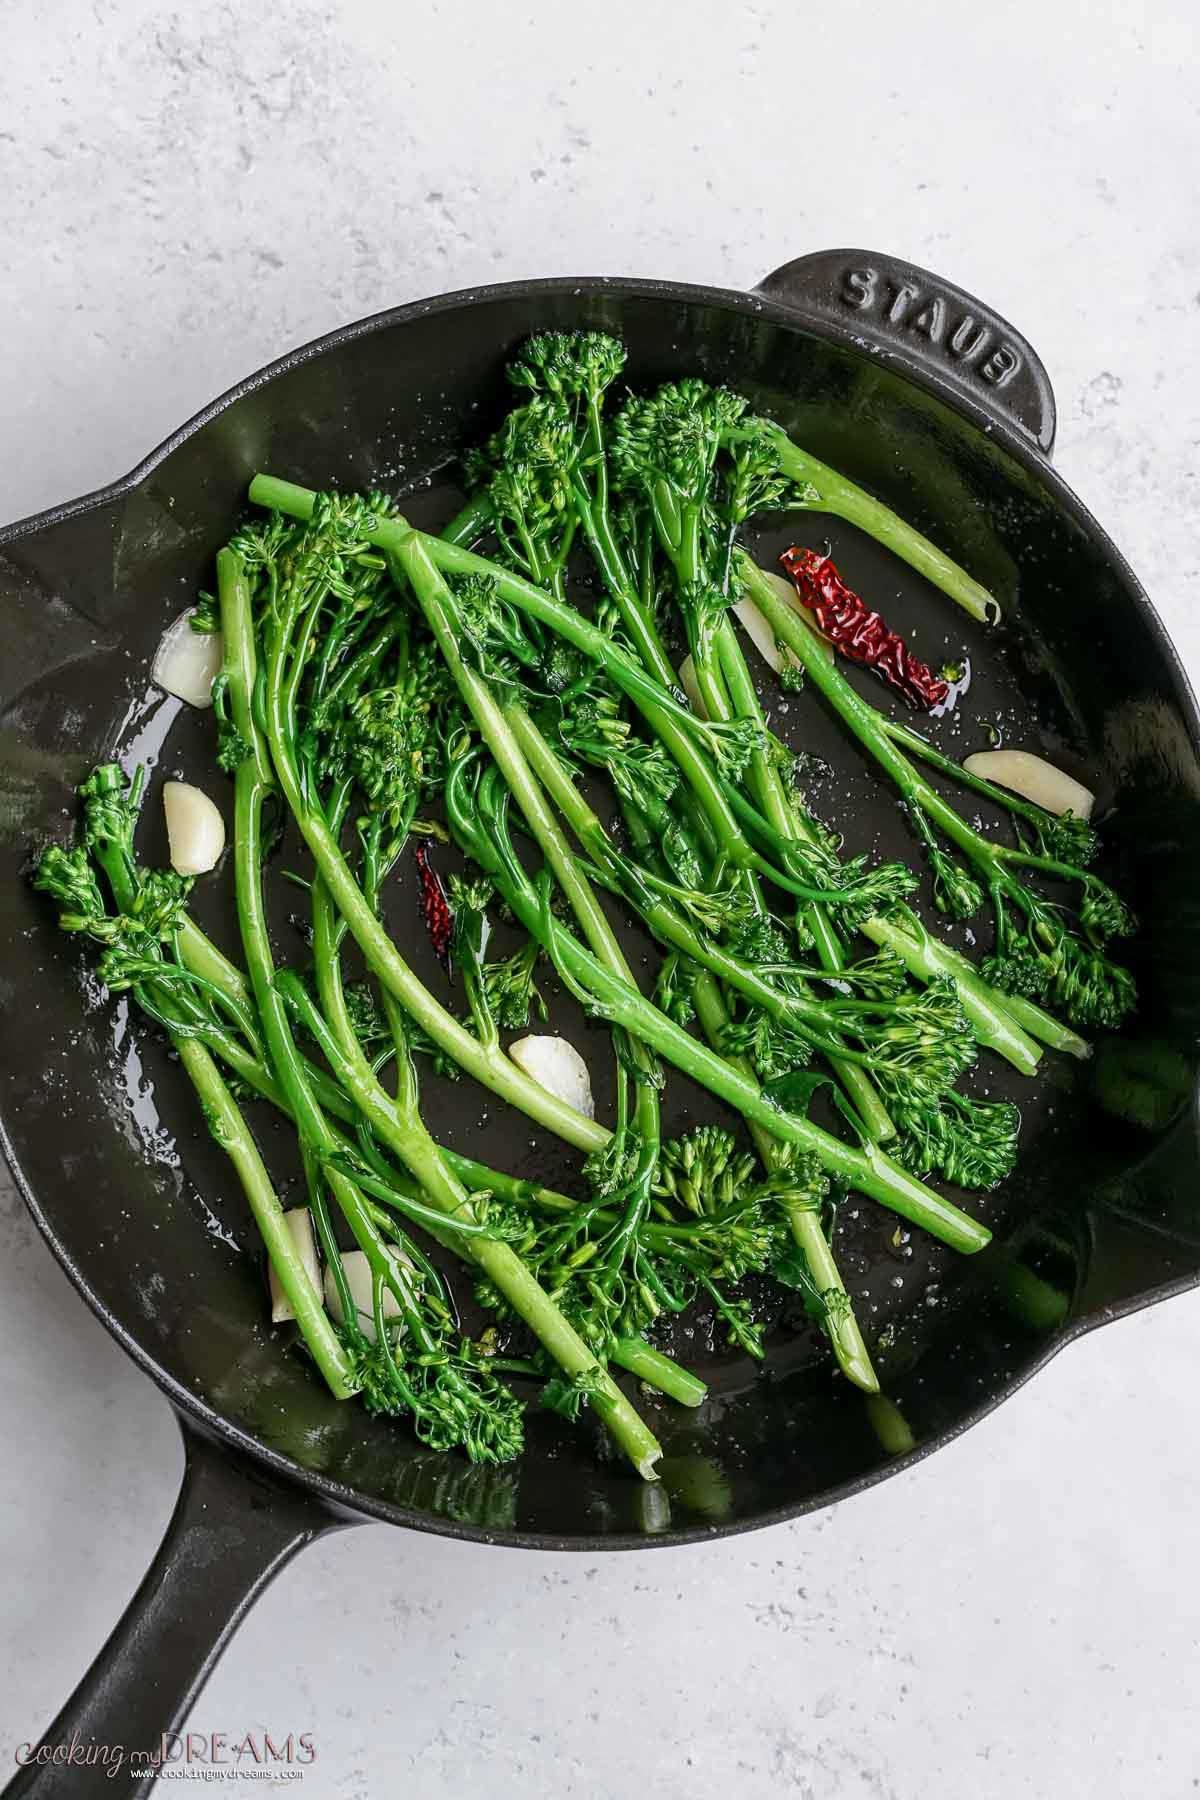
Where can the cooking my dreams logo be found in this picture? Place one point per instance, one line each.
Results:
(180, 1753)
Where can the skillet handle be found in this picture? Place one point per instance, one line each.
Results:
(233, 1529)
(919, 319)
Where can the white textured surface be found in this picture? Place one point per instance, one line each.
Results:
(188, 191)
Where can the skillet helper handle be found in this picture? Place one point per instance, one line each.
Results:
(920, 319)
(233, 1529)
(60, 592)
(1145, 1233)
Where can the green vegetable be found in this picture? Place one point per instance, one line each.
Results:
(1038, 954)
(290, 626)
(137, 957)
(477, 813)
(378, 680)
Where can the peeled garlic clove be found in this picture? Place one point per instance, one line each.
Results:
(777, 656)
(687, 681)
(187, 662)
(195, 829)
(300, 1228)
(557, 1066)
(790, 597)
(361, 1285)
(1034, 778)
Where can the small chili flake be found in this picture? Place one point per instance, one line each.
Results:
(858, 633)
(435, 908)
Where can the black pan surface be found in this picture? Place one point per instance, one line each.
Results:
(140, 1205)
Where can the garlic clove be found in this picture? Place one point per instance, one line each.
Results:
(777, 656)
(1034, 779)
(300, 1227)
(187, 662)
(359, 1281)
(557, 1066)
(195, 829)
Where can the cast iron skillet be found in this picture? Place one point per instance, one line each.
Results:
(932, 401)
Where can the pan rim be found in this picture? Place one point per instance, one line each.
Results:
(337, 1496)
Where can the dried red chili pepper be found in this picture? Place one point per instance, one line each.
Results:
(858, 633)
(435, 908)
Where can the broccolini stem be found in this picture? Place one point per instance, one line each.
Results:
(659, 1371)
(496, 730)
(619, 1003)
(597, 529)
(913, 742)
(199, 954)
(470, 522)
(769, 790)
(241, 658)
(448, 1228)
(229, 1128)
(475, 1176)
(361, 667)
(679, 730)
(197, 951)
(404, 1132)
(996, 1019)
(316, 1136)
(1018, 1019)
(413, 566)
(436, 601)
(233, 1134)
(491, 1068)
(837, 494)
(893, 1430)
(840, 1323)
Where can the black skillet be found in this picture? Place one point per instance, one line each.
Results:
(933, 402)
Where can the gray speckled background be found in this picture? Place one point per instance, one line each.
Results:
(188, 191)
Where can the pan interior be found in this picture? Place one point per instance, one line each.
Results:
(105, 1132)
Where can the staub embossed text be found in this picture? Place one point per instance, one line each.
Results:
(963, 338)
